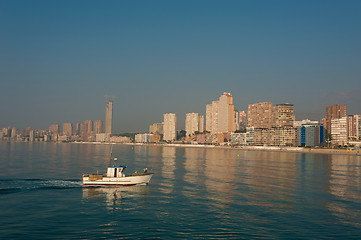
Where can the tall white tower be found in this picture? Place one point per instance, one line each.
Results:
(109, 114)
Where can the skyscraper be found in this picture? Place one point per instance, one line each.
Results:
(226, 116)
(67, 129)
(220, 115)
(88, 129)
(54, 129)
(170, 126)
(77, 129)
(209, 117)
(334, 112)
(109, 114)
(194, 123)
(98, 126)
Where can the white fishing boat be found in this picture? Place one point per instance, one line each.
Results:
(116, 177)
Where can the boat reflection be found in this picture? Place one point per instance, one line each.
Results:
(114, 195)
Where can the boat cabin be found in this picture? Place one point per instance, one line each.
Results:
(116, 171)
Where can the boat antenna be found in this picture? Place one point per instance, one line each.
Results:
(111, 155)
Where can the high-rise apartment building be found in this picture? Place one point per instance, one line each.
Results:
(209, 117)
(13, 133)
(354, 127)
(260, 115)
(201, 123)
(284, 115)
(170, 127)
(194, 123)
(339, 131)
(215, 109)
(54, 129)
(333, 112)
(156, 128)
(98, 126)
(82, 130)
(77, 129)
(67, 129)
(88, 129)
(109, 115)
(220, 115)
(241, 120)
(357, 122)
(226, 121)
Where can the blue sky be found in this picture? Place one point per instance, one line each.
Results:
(59, 58)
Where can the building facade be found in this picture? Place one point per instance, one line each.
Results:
(284, 115)
(98, 126)
(68, 129)
(339, 131)
(220, 115)
(260, 115)
(109, 116)
(194, 123)
(156, 128)
(310, 135)
(170, 127)
(334, 112)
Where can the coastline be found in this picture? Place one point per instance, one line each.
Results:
(246, 148)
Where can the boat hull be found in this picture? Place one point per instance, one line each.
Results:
(118, 181)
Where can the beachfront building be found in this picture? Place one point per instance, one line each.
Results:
(156, 128)
(220, 115)
(88, 129)
(354, 127)
(241, 120)
(142, 138)
(339, 131)
(194, 123)
(67, 129)
(239, 138)
(284, 115)
(260, 115)
(335, 111)
(310, 135)
(98, 126)
(54, 129)
(170, 127)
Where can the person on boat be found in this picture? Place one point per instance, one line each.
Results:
(145, 170)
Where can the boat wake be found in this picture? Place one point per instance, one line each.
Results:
(8, 186)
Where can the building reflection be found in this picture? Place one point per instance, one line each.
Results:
(168, 168)
(345, 186)
(270, 179)
(194, 164)
(220, 174)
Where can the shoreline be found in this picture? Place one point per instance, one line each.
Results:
(244, 148)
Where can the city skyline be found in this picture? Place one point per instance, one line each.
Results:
(59, 59)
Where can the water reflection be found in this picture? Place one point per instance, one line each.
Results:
(168, 168)
(220, 173)
(345, 186)
(114, 196)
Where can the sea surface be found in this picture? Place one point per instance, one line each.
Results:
(195, 193)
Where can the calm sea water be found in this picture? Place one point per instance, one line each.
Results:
(195, 193)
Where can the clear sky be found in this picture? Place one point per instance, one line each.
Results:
(59, 58)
